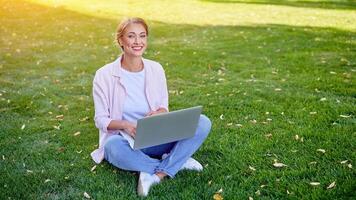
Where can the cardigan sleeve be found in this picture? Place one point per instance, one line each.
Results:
(164, 90)
(102, 116)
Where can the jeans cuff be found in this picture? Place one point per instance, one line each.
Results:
(164, 171)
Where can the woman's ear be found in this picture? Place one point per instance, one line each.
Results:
(120, 42)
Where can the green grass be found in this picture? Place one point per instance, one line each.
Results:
(283, 68)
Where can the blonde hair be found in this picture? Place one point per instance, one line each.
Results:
(125, 22)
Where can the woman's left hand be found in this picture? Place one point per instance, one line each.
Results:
(160, 110)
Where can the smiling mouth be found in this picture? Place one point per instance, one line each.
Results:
(137, 48)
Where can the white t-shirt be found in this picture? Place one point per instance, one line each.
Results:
(136, 105)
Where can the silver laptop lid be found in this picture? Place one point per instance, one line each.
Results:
(167, 127)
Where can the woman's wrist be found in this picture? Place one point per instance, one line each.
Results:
(162, 110)
(117, 125)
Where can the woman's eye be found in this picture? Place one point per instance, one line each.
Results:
(131, 36)
(142, 36)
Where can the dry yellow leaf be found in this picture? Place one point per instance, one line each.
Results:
(86, 195)
(333, 184)
(222, 117)
(321, 150)
(23, 126)
(251, 168)
(349, 165)
(250, 198)
(47, 180)
(344, 161)
(76, 133)
(279, 165)
(93, 168)
(217, 197)
(258, 192)
(314, 183)
(60, 117)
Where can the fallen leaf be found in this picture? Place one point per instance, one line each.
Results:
(220, 191)
(86, 195)
(250, 198)
(258, 192)
(47, 180)
(3, 157)
(209, 183)
(279, 165)
(349, 165)
(323, 99)
(29, 171)
(57, 127)
(314, 183)
(313, 113)
(321, 150)
(296, 137)
(344, 161)
(312, 163)
(345, 116)
(222, 116)
(277, 89)
(84, 119)
(23, 126)
(251, 168)
(288, 192)
(268, 135)
(76, 133)
(93, 168)
(217, 197)
(60, 117)
(333, 184)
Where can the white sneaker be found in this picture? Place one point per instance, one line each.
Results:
(190, 164)
(145, 182)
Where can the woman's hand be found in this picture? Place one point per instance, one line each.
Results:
(160, 110)
(130, 128)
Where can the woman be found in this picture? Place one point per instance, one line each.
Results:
(131, 88)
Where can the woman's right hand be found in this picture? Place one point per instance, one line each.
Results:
(130, 128)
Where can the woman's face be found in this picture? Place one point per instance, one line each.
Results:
(134, 40)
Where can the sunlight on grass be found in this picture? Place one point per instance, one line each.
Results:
(211, 13)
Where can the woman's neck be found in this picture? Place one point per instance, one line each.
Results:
(132, 64)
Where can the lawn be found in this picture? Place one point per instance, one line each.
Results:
(277, 79)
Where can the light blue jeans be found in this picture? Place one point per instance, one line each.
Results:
(119, 153)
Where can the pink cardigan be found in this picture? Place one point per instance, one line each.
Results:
(109, 95)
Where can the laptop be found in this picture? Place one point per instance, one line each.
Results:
(166, 127)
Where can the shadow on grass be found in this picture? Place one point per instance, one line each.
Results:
(333, 4)
(50, 55)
